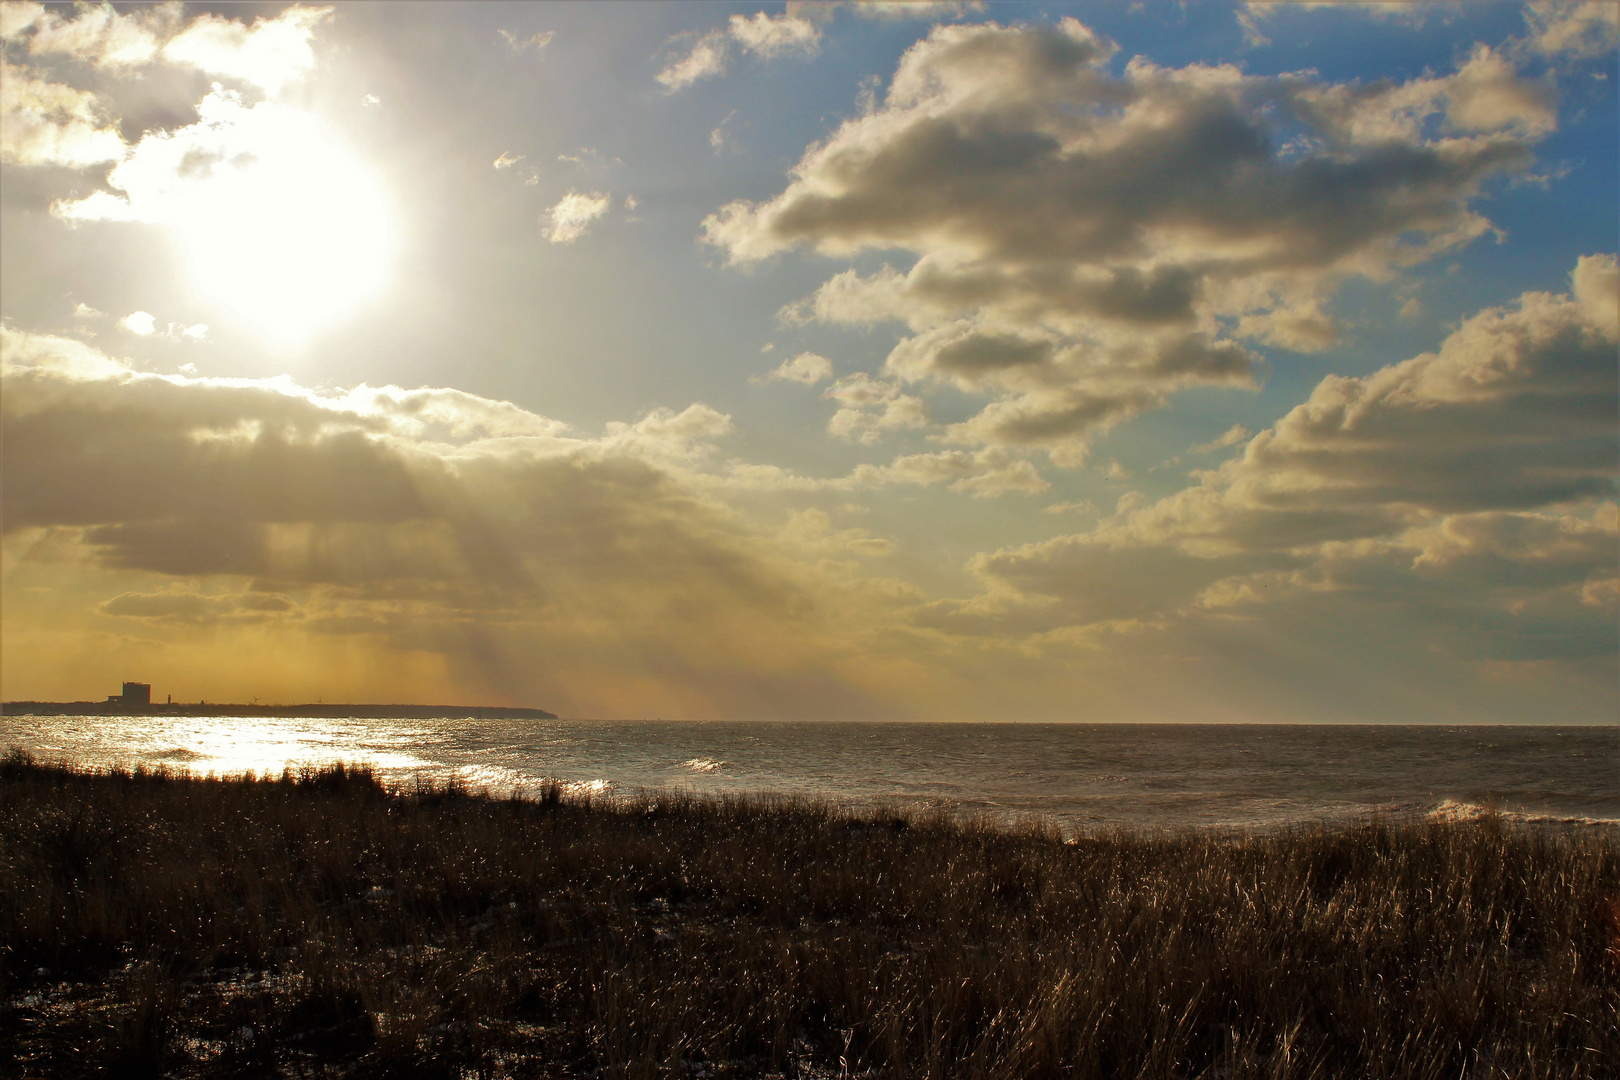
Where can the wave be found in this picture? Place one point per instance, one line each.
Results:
(178, 753)
(703, 764)
(1457, 810)
(587, 787)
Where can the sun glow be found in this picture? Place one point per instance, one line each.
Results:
(281, 222)
(290, 235)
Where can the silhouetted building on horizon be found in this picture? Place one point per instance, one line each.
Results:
(135, 693)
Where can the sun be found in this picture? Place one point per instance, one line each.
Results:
(285, 226)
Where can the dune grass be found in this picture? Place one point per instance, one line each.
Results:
(320, 924)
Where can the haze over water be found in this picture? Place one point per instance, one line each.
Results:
(1082, 776)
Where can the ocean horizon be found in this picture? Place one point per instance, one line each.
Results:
(1077, 776)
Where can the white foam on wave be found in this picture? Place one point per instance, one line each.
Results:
(178, 753)
(487, 778)
(1457, 810)
(587, 787)
(703, 764)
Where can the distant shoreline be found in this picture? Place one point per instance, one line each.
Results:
(325, 711)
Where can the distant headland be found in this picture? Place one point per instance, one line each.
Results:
(136, 700)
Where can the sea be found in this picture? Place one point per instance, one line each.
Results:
(1077, 778)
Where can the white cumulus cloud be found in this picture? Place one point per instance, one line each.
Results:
(1085, 243)
(140, 323)
(573, 215)
(1235, 434)
(45, 123)
(1476, 478)
(1581, 29)
(269, 52)
(773, 36)
(808, 368)
(705, 59)
(868, 407)
(761, 33)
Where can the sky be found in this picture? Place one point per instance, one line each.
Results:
(926, 361)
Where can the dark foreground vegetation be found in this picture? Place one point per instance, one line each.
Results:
(319, 924)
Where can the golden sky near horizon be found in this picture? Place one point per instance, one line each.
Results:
(939, 361)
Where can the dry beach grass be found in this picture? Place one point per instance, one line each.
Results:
(319, 924)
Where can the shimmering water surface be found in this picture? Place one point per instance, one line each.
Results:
(1082, 776)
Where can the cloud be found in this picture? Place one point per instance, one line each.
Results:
(1563, 29)
(535, 564)
(1487, 94)
(433, 544)
(178, 607)
(168, 173)
(251, 191)
(105, 37)
(145, 324)
(443, 414)
(812, 531)
(44, 123)
(506, 160)
(1578, 29)
(1512, 412)
(1253, 12)
(17, 16)
(868, 407)
(268, 53)
(1085, 244)
(1476, 477)
(589, 159)
(770, 36)
(807, 368)
(705, 59)
(571, 218)
(1235, 434)
(762, 34)
(47, 123)
(861, 391)
(914, 9)
(140, 323)
(518, 43)
(66, 357)
(985, 474)
(684, 440)
(1054, 393)
(720, 137)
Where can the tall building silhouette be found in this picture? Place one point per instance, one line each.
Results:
(135, 693)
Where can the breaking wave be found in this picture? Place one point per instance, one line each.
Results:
(588, 787)
(178, 753)
(1457, 810)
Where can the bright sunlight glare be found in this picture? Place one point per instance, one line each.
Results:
(288, 230)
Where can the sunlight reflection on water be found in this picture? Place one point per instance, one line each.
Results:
(228, 745)
(1079, 775)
